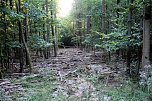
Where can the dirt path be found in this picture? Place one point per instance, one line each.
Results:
(72, 67)
(77, 71)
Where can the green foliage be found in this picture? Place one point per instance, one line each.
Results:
(66, 34)
(93, 38)
(36, 42)
(113, 41)
(146, 80)
(116, 36)
(15, 44)
(12, 14)
(128, 93)
(36, 13)
(67, 40)
(39, 87)
(121, 90)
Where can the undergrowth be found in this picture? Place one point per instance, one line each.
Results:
(44, 87)
(38, 87)
(122, 91)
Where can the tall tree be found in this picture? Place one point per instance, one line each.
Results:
(88, 24)
(146, 33)
(22, 40)
(47, 27)
(18, 7)
(130, 2)
(103, 17)
(53, 28)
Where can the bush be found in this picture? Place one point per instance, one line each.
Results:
(146, 80)
(66, 40)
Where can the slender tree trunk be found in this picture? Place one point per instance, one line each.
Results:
(47, 28)
(24, 38)
(6, 51)
(117, 22)
(103, 16)
(146, 35)
(88, 24)
(79, 29)
(44, 36)
(26, 33)
(29, 62)
(129, 33)
(22, 41)
(53, 32)
(11, 4)
(56, 35)
(18, 4)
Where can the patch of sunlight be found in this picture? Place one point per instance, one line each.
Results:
(65, 7)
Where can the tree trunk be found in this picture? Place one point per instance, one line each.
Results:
(18, 7)
(44, 36)
(53, 32)
(22, 41)
(88, 24)
(24, 38)
(129, 34)
(47, 28)
(80, 30)
(146, 41)
(56, 34)
(29, 62)
(117, 22)
(146, 35)
(103, 16)
(26, 33)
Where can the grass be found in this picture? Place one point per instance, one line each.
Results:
(37, 87)
(125, 91)
(45, 87)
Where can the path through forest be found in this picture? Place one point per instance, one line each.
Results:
(75, 70)
(72, 67)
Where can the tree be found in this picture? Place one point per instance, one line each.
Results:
(22, 40)
(88, 24)
(23, 25)
(129, 33)
(146, 34)
(53, 28)
(103, 16)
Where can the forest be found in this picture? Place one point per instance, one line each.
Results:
(75, 50)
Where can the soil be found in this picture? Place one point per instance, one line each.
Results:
(72, 66)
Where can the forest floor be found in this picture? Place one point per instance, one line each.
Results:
(72, 75)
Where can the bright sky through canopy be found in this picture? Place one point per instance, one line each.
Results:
(65, 7)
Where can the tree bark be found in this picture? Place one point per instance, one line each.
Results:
(44, 36)
(146, 35)
(22, 41)
(24, 38)
(47, 28)
(18, 7)
(130, 2)
(117, 22)
(103, 16)
(88, 24)
(53, 32)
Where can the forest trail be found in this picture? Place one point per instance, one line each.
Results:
(78, 72)
(73, 67)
